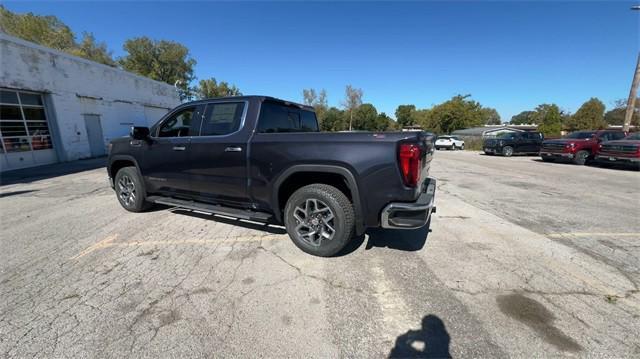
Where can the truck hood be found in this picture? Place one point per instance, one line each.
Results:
(622, 142)
(564, 141)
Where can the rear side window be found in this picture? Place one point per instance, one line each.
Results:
(275, 117)
(222, 118)
(309, 122)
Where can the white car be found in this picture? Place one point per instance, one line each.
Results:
(449, 142)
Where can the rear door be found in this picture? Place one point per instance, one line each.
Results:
(164, 166)
(218, 155)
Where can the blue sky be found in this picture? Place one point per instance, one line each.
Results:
(508, 55)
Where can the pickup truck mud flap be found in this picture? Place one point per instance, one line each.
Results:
(411, 215)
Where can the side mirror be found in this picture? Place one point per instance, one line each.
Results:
(139, 133)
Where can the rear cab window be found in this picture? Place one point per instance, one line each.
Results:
(278, 118)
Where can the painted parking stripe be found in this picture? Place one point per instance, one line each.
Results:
(110, 242)
(594, 234)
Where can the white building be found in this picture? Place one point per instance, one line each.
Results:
(56, 107)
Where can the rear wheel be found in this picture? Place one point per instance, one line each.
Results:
(581, 158)
(319, 219)
(507, 151)
(129, 190)
(547, 159)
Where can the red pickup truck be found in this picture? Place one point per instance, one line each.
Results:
(625, 151)
(578, 147)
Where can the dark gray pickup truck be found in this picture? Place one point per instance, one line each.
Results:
(264, 159)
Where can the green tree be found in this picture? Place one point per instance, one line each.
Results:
(49, 31)
(523, 118)
(616, 115)
(94, 51)
(549, 119)
(163, 60)
(318, 100)
(352, 100)
(386, 123)
(490, 116)
(364, 118)
(210, 88)
(406, 115)
(334, 119)
(590, 116)
(457, 113)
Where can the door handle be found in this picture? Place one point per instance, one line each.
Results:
(233, 149)
(179, 148)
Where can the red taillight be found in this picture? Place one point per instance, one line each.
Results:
(409, 158)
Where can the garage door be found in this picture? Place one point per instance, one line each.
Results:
(25, 138)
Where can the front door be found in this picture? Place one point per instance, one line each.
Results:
(94, 134)
(218, 155)
(165, 165)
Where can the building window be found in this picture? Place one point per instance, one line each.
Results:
(23, 124)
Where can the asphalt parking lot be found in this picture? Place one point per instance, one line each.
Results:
(523, 258)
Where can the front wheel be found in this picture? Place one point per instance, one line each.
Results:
(581, 158)
(461, 147)
(507, 151)
(128, 186)
(319, 219)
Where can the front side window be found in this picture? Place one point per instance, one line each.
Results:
(222, 119)
(178, 125)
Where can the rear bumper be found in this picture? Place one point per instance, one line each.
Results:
(556, 154)
(443, 146)
(411, 215)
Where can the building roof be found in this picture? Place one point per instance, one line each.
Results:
(479, 131)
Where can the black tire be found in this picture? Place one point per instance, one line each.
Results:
(461, 147)
(342, 221)
(547, 159)
(128, 181)
(581, 157)
(507, 151)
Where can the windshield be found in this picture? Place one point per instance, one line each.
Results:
(633, 136)
(581, 135)
(444, 137)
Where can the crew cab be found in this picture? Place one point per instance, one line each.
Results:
(449, 142)
(510, 143)
(578, 147)
(264, 159)
(625, 151)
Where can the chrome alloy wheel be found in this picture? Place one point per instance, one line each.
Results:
(314, 222)
(126, 190)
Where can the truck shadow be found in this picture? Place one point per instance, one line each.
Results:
(404, 240)
(430, 341)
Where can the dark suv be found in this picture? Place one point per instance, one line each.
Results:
(510, 143)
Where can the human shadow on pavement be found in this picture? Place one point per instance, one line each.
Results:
(430, 341)
(409, 240)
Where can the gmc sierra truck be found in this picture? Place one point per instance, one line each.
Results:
(578, 147)
(264, 159)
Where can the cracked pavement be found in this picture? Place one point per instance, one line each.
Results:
(522, 259)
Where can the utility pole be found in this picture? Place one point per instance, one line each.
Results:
(631, 102)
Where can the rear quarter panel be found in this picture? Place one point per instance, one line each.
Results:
(371, 158)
